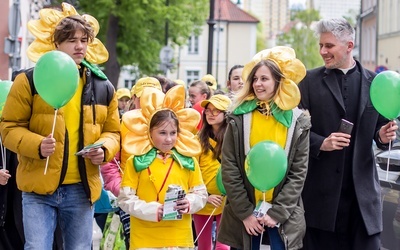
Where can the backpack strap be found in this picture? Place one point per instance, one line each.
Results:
(29, 75)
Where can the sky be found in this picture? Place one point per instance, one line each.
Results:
(296, 2)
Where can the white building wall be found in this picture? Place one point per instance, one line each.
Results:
(234, 43)
(338, 8)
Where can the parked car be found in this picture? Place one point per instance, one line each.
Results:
(390, 184)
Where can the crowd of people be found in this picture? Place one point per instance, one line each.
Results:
(164, 141)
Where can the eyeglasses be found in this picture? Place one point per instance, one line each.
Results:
(213, 112)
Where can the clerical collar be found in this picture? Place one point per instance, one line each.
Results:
(347, 70)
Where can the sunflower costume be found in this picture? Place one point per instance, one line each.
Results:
(44, 27)
(147, 176)
(43, 30)
(287, 96)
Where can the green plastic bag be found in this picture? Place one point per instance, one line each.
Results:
(113, 237)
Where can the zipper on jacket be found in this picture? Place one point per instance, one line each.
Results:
(81, 160)
(284, 237)
(92, 98)
(65, 157)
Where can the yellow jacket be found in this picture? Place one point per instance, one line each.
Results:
(27, 119)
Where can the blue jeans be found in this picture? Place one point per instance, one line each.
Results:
(275, 240)
(68, 206)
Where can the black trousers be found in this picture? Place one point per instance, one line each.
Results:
(350, 232)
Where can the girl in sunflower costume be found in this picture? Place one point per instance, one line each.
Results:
(163, 155)
(265, 109)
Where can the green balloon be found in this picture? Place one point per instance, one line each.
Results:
(220, 185)
(385, 94)
(56, 78)
(5, 87)
(266, 165)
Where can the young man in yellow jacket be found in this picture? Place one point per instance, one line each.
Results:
(66, 192)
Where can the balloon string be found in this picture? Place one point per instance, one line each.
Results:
(52, 132)
(3, 154)
(388, 161)
(262, 232)
(119, 166)
(205, 224)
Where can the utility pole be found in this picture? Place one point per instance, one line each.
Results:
(211, 23)
(167, 52)
(166, 25)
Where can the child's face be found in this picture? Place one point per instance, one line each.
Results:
(214, 116)
(123, 103)
(195, 95)
(164, 136)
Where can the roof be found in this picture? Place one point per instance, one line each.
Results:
(225, 10)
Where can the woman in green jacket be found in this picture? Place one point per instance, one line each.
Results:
(265, 109)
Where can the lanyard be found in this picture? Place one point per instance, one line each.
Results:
(165, 178)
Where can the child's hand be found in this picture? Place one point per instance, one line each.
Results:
(183, 206)
(267, 221)
(215, 200)
(160, 212)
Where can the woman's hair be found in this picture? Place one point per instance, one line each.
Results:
(162, 116)
(164, 82)
(67, 28)
(248, 90)
(206, 132)
(232, 69)
(204, 88)
(169, 85)
(339, 27)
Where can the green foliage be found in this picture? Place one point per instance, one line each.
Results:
(261, 40)
(302, 39)
(141, 26)
(351, 16)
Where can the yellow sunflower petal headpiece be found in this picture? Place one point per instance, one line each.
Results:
(293, 70)
(138, 142)
(43, 30)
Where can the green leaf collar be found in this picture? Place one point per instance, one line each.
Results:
(282, 116)
(96, 70)
(142, 162)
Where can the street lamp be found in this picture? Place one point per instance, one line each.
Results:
(211, 23)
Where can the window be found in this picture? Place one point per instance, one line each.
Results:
(193, 45)
(192, 75)
(128, 83)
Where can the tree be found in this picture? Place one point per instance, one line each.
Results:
(134, 31)
(351, 16)
(261, 40)
(301, 38)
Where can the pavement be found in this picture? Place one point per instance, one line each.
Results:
(97, 235)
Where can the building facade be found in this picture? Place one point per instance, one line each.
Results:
(334, 9)
(379, 26)
(234, 42)
(273, 15)
(388, 34)
(367, 34)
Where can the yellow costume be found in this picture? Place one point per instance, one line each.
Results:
(147, 176)
(209, 167)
